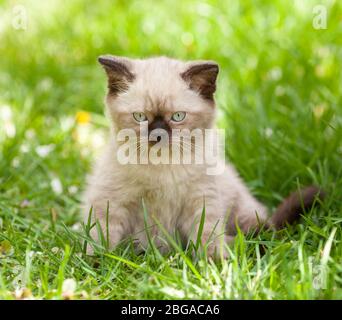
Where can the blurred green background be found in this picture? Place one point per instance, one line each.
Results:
(279, 93)
(277, 71)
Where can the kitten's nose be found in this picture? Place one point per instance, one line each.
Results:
(158, 123)
(158, 128)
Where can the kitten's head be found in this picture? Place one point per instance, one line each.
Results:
(169, 94)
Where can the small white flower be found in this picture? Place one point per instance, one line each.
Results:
(15, 162)
(9, 128)
(5, 113)
(275, 74)
(6, 121)
(45, 84)
(67, 123)
(55, 250)
(56, 186)
(76, 226)
(268, 132)
(24, 148)
(68, 288)
(44, 150)
(73, 189)
(69, 285)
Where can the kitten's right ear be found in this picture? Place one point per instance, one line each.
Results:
(118, 72)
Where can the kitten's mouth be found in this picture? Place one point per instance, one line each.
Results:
(160, 136)
(162, 141)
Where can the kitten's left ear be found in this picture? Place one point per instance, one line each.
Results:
(201, 77)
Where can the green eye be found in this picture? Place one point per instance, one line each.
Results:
(139, 116)
(178, 116)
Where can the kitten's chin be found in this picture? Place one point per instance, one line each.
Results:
(161, 144)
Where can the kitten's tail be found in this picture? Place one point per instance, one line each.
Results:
(293, 206)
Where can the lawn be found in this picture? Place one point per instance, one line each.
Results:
(279, 99)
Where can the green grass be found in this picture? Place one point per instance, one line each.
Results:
(279, 96)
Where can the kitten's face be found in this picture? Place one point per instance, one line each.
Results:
(167, 93)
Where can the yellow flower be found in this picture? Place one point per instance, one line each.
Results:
(6, 248)
(82, 117)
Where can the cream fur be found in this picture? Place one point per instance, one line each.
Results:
(173, 194)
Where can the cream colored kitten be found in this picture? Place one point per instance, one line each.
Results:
(154, 90)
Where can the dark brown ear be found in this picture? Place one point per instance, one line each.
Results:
(201, 77)
(118, 72)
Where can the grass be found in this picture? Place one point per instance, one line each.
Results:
(279, 97)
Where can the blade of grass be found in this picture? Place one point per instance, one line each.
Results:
(200, 227)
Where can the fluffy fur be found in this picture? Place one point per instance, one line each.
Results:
(173, 194)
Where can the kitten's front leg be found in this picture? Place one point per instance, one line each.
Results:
(214, 229)
(118, 225)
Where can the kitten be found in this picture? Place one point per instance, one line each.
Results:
(154, 91)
